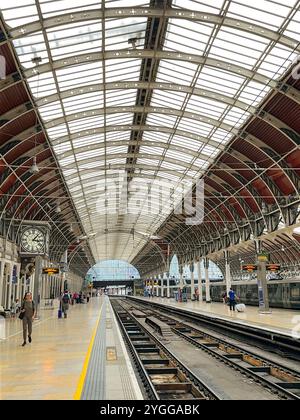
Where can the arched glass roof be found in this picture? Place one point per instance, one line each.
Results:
(133, 92)
(113, 270)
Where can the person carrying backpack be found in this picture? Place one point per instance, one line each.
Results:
(65, 302)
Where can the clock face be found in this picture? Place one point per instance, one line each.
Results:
(33, 240)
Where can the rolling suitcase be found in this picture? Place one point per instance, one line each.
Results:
(59, 313)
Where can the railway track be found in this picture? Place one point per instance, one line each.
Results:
(163, 376)
(278, 379)
(271, 341)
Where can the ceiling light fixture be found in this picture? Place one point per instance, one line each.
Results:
(34, 168)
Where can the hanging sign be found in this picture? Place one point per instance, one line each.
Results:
(273, 267)
(249, 267)
(50, 270)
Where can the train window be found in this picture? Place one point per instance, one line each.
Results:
(295, 291)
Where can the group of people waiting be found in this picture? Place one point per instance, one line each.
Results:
(69, 299)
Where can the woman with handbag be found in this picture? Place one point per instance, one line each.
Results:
(27, 315)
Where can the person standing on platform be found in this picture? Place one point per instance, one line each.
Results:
(28, 313)
(232, 301)
(224, 297)
(65, 302)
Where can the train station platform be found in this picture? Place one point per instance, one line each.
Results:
(81, 357)
(283, 321)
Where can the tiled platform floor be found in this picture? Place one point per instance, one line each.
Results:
(52, 366)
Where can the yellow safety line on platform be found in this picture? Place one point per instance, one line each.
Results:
(80, 385)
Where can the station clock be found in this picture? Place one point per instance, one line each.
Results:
(34, 240)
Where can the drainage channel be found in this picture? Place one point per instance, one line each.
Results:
(162, 374)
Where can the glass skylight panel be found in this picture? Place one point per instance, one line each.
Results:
(247, 44)
(175, 71)
(201, 6)
(116, 161)
(167, 99)
(29, 47)
(118, 135)
(209, 150)
(172, 176)
(194, 126)
(119, 119)
(205, 106)
(201, 163)
(219, 81)
(57, 131)
(116, 150)
(83, 102)
(253, 93)
(79, 75)
(221, 50)
(122, 70)
(179, 155)
(53, 8)
(191, 173)
(88, 141)
(156, 137)
(121, 97)
(221, 136)
(20, 12)
(81, 124)
(187, 143)
(292, 29)
(187, 36)
(43, 85)
(74, 180)
(76, 45)
(261, 12)
(277, 62)
(67, 161)
(176, 167)
(161, 120)
(51, 111)
(235, 116)
(62, 148)
(152, 150)
(119, 31)
(150, 162)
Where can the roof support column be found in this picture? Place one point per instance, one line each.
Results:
(263, 295)
(168, 285)
(181, 276)
(200, 280)
(157, 283)
(227, 272)
(2, 281)
(192, 268)
(207, 289)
